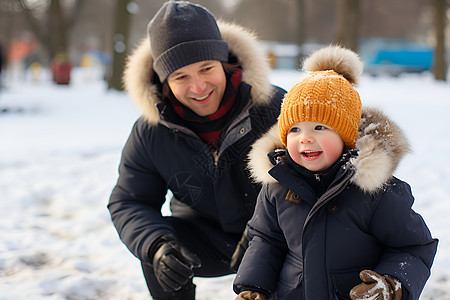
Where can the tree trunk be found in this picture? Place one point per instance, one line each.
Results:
(347, 27)
(301, 26)
(440, 65)
(36, 28)
(8, 18)
(120, 39)
(57, 30)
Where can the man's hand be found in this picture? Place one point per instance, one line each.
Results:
(173, 265)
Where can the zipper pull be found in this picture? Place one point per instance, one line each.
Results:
(317, 177)
(216, 157)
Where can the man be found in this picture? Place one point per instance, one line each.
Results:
(205, 97)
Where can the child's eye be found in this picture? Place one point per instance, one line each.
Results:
(294, 129)
(320, 127)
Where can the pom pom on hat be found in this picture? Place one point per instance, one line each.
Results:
(326, 94)
(343, 61)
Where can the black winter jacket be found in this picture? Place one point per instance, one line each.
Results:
(305, 247)
(161, 155)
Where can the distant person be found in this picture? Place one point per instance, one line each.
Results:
(205, 95)
(331, 221)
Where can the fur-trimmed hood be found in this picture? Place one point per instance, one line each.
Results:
(381, 145)
(141, 82)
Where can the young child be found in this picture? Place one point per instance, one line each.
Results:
(331, 221)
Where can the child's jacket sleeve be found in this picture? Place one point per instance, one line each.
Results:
(410, 246)
(268, 242)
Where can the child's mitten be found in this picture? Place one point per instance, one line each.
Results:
(384, 287)
(250, 295)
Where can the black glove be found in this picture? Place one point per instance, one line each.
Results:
(240, 251)
(173, 264)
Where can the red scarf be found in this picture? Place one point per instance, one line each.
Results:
(210, 127)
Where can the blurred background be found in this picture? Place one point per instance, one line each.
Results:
(64, 121)
(393, 37)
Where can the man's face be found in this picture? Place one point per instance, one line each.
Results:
(199, 86)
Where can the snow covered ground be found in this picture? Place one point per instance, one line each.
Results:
(59, 151)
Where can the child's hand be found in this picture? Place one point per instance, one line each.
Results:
(249, 295)
(374, 284)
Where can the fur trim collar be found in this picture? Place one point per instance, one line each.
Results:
(139, 76)
(381, 145)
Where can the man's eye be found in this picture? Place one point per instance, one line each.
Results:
(206, 69)
(180, 77)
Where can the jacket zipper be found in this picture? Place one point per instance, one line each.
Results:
(327, 196)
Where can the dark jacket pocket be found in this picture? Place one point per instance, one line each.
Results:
(338, 296)
(344, 280)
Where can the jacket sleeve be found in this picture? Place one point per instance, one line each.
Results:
(410, 248)
(136, 200)
(264, 257)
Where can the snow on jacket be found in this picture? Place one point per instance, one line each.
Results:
(161, 155)
(305, 247)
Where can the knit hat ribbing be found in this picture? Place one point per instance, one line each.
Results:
(326, 94)
(182, 33)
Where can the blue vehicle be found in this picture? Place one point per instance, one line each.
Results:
(394, 57)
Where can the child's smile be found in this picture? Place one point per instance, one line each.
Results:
(311, 154)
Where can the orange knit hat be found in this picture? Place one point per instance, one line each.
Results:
(326, 94)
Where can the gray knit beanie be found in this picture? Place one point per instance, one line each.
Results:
(182, 33)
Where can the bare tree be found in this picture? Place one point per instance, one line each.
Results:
(347, 27)
(300, 5)
(52, 30)
(405, 19)
(8, 10)
(440, 65)
(120, 43)
(270, 20)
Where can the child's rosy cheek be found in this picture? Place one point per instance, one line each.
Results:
(332, 149)
(293, 152)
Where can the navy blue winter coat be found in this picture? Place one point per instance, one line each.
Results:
(305, 247)
(162, 155)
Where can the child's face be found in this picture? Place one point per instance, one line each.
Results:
(314, 146)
